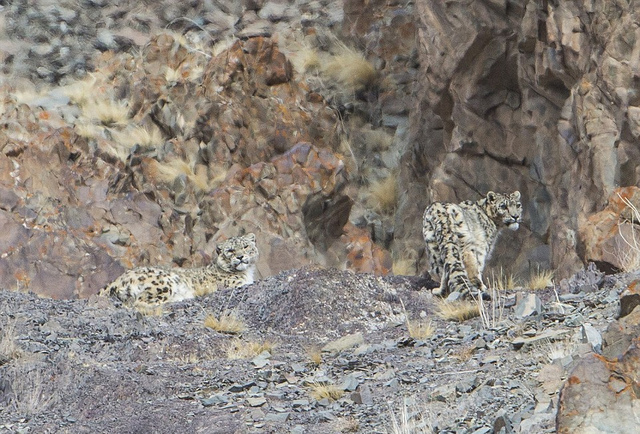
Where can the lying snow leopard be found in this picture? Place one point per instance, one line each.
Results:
(460, 238)
(234, 267)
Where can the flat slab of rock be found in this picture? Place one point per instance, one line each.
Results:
(550, 335)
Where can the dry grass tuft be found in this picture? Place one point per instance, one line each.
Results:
(29, 397)
(237, 348)
(410, 422)
(320, 391)
(136, 135)
(228, 322)
(347, 424)
(418, 329)
(459, 310)
(350, 69)
(404, 267)
(377, 140)
(314, 353)
(149, 309)
(109, 113)
(197, 174)
(491, 312)
(540, 279)
(501, 281)
(384, 194)
(82, 92)
(307, 60)
(89, 130)
(8, 348)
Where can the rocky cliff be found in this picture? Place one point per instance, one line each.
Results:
(144, 133)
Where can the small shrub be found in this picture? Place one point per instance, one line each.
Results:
(29, 397)
(418, 329)
(409, 422)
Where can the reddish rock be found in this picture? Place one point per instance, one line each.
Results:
(601, 394)
(611, 237)
(363, 255)
(629, 299)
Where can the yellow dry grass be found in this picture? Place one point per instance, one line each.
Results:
(89, 130)
(227, 322)
(384, 194)
(501, 281)
(199, 175)
(350, 70)
(540, 279)
(420, 329)
(320, 391)
(146, 137)
(314, 353)
(149, 309)
(107, 112)
(459, 310)
(628, 254)
(83, 91)
(8, 348)
(404, 267)
(238, 348)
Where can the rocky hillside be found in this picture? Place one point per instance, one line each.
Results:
(323, 351)
(137, 133)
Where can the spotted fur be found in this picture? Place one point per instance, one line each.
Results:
(460, 239)
(234, 267)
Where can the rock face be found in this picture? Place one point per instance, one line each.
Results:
(535, 95)
(432, 101)
(610, 237)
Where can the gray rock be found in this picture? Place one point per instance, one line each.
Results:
(257, 401)
(593, 337)
(527, 305)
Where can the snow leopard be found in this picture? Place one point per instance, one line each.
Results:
(460, 239)
(234, 267)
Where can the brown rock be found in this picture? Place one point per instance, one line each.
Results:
(609, 236)
(629, 299)
(601, 393)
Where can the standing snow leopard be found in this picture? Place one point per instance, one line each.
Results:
(460, 238)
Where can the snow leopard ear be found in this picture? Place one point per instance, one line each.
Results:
(251, 237)
(491, 196)
(218, 250)
(515, 195)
